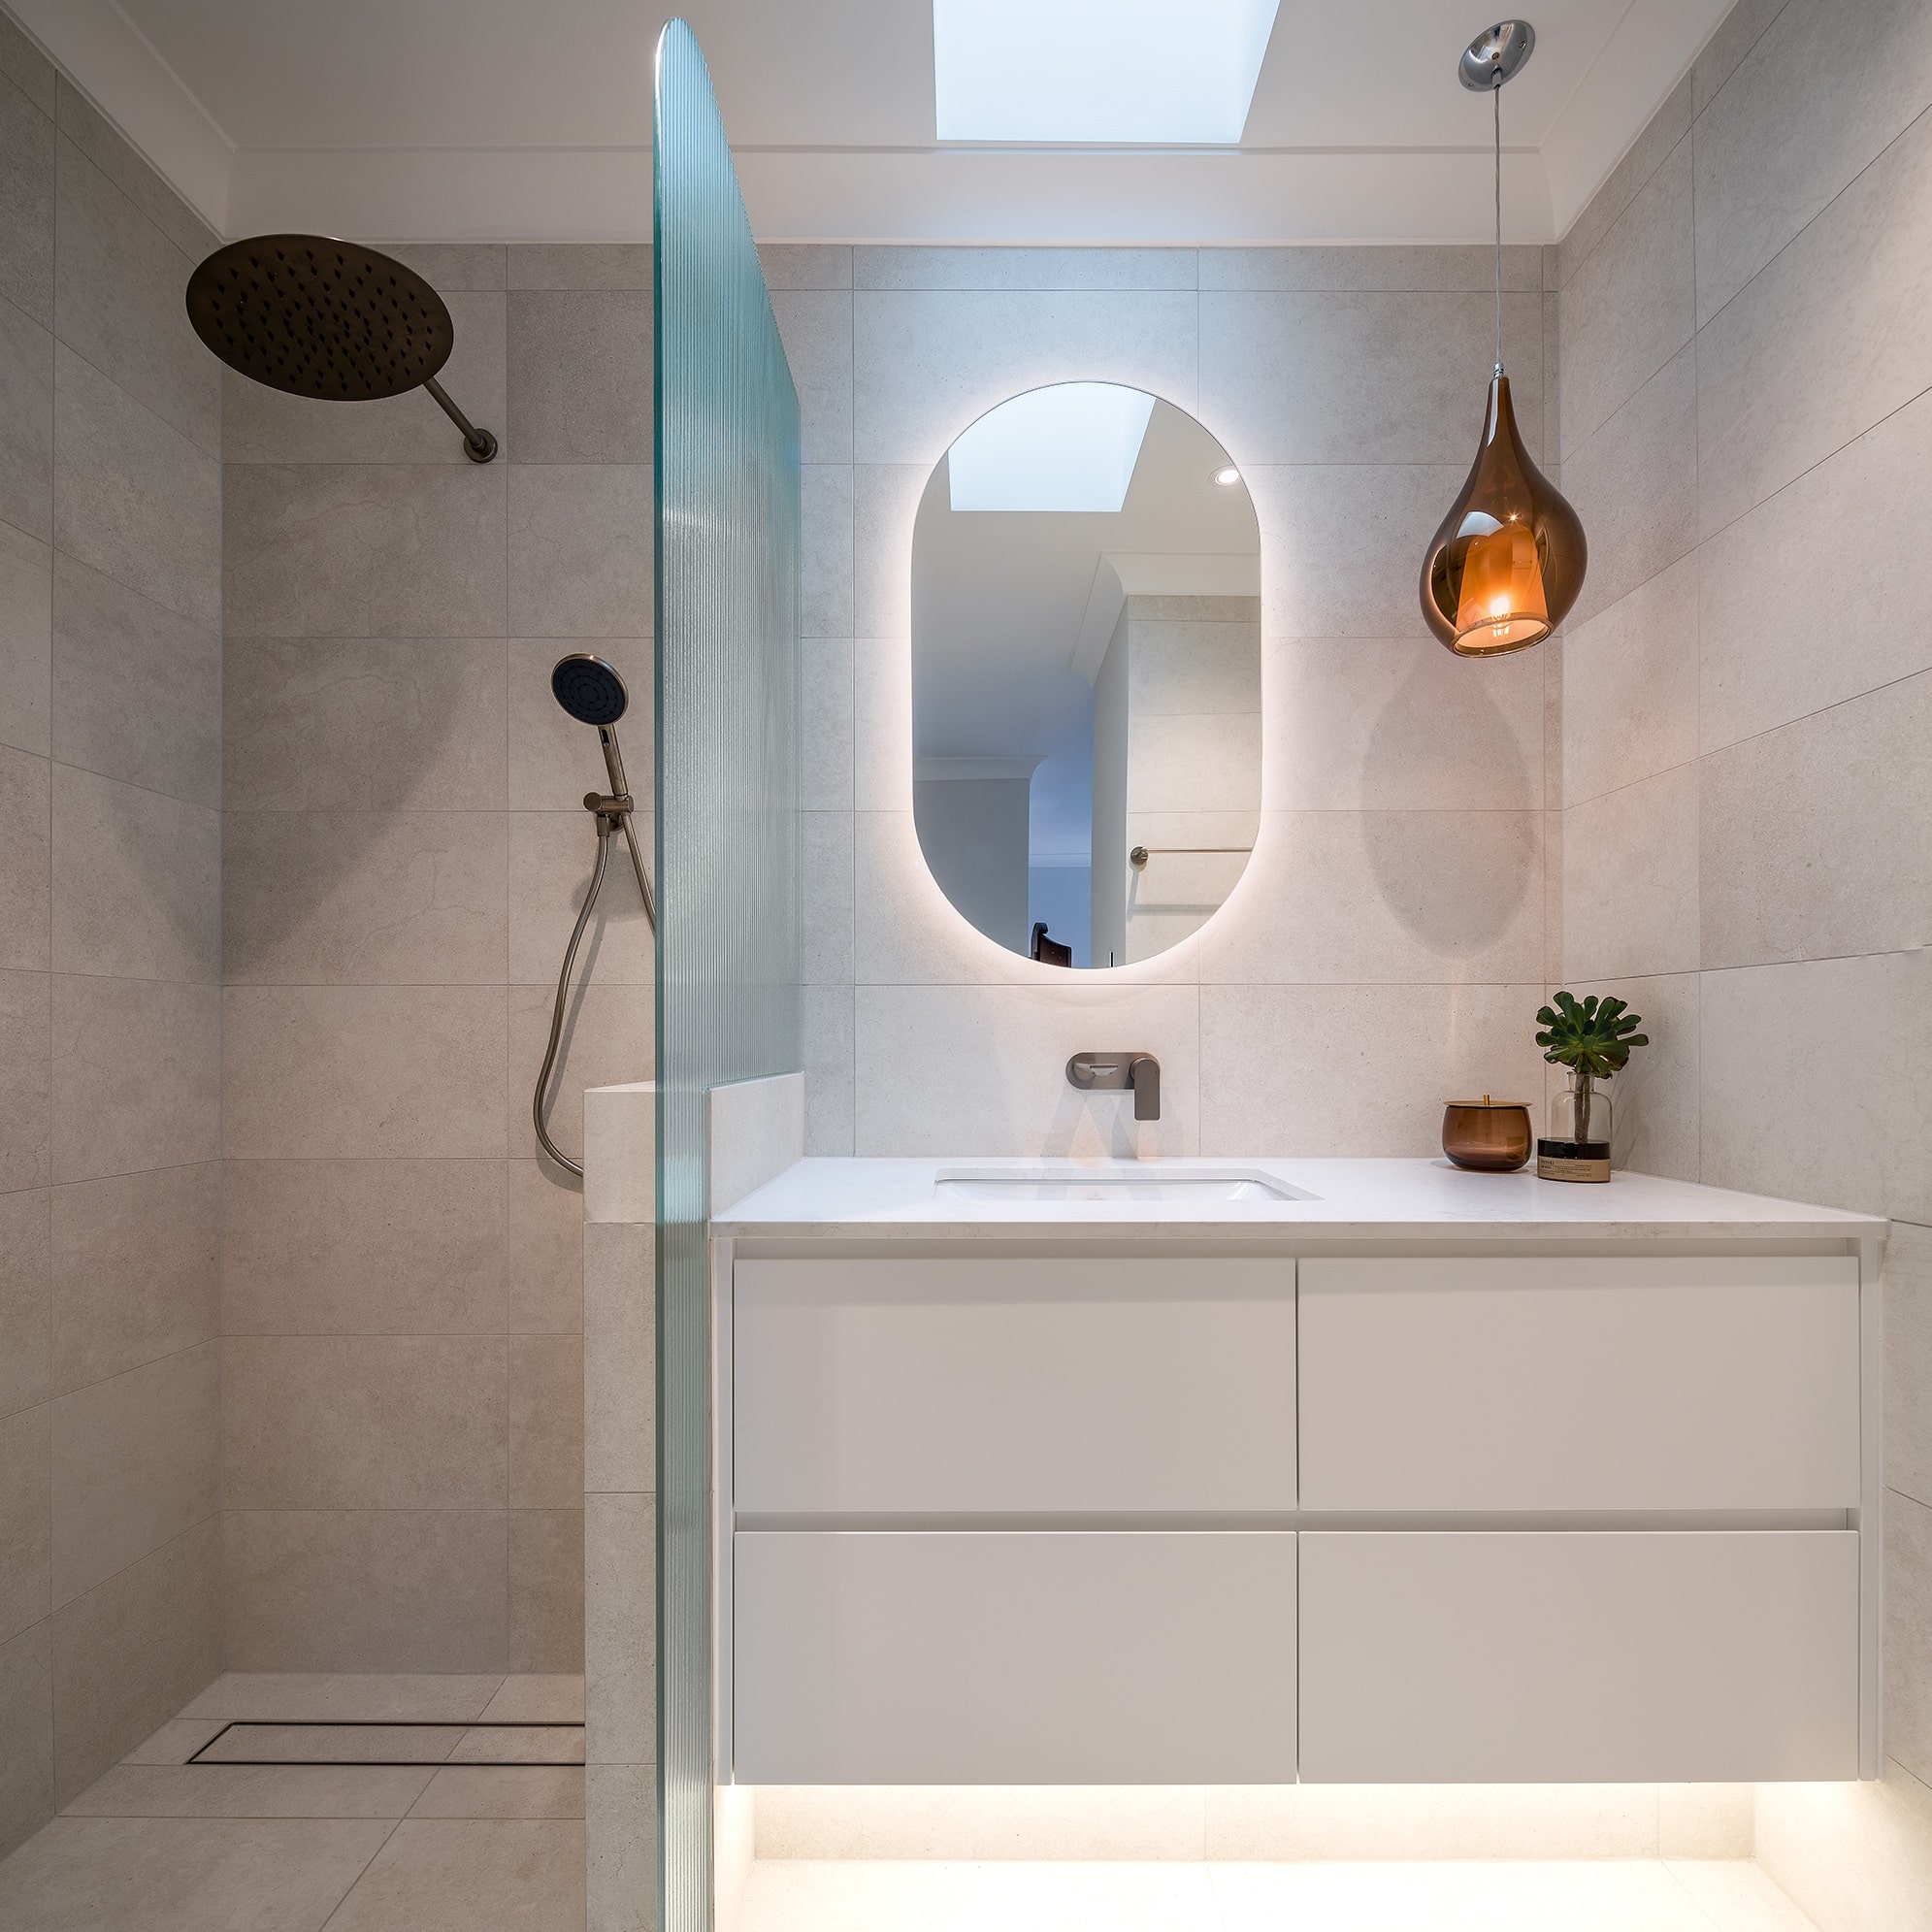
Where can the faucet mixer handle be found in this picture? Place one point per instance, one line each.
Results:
(1139, 1072)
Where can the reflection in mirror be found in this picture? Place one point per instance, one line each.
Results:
(1086, 675)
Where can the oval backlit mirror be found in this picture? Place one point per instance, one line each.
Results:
(1086, 675)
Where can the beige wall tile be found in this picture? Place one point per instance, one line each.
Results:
(1813, 838)
(1628, 307)
(370, 1589)
(131, 1653)
(620, 1357)
(1811, 103)
(1357, 1070)
(1377, 724)
(136, 1466)
(1653, 146)
(1852, 1857)
(136, 1270)
(1375, 267)
(26, 424)
(26, 1520)
(1630, 883)
(133, 497)
(930, 363)
(26, 629)
(620, 1629)
(117, 301)
(1368, 897)
(581, 265)
(1353, 377)
(1704, 1821)
(360, 1247)
(580, 550)
(552, 857)
(363, 550)
(1018, 1039)
(137, 882)
(363, 897)
(546, 1423)
(1007, 268)
(805, 265)
(1814, 1082)
(828, 1070)
(136, 1079)
(1908, 1361)
(137, 688)
(449, 267)
(1908, 1645)
(263, 425)
(885, 502)
(27, 1722)
(1862, 271)
(89, 131)
(363, 1072)
(546, 1595)
(26, 1132)
(1634, 484)
(544, 1236)
(26, 836)
(579, 376)
(363, 724)
(26, 215)
(364, 1421)
(1654, 1100)
(1629, 688)
(826, 526)
(553, 759)
(1736, 34)
(621, 1804)
(1778, 643)
(815, 326)
(27, 1299)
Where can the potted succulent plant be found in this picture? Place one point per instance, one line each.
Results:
(1592, 1039)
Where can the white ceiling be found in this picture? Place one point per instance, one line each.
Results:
(408, 119)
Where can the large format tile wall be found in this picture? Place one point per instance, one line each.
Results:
(1387, 944)
(109, 951)
(404, 850)
(1747, 429)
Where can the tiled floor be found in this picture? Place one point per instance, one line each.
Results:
(451, 1837)
(1628, 1895)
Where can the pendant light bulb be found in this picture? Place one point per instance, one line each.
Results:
(1507, 564)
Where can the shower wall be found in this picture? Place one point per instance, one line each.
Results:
(404, 853)
(110, 1036)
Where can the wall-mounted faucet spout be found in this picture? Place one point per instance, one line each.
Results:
(1138, 1073)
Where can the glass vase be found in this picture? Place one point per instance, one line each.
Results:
(1577, 1147)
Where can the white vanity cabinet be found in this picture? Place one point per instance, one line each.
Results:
(1055, 1508)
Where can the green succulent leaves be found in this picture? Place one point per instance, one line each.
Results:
(1592, 1035)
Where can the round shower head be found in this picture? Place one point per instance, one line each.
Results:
(589, 689)
(320, 318)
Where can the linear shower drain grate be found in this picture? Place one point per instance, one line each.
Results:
(369, 1742)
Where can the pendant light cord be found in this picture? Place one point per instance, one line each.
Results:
(1496, 94)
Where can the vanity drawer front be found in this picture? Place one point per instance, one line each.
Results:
(1013, 1657)
(1572, 1384)
(1003, 1385)
(1479, 1656)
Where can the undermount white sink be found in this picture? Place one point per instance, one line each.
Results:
(1126, 1181)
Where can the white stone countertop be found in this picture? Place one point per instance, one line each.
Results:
(1355, 1200)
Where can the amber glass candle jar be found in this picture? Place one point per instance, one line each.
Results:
(1490, 1136)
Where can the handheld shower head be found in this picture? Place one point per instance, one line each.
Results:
(589, 689)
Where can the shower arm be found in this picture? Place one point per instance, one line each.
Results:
(478, 444)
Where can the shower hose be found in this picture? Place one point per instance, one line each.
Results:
(608, 825)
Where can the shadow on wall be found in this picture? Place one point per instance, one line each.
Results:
(1421, 860)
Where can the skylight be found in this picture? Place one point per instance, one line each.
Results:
(1070, 448)
(1156, 71)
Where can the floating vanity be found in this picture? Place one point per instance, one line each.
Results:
(1198, 1472)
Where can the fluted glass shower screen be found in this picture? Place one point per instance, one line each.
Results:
(728, 945)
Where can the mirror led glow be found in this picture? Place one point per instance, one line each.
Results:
(1072, 446)
(1156, 71)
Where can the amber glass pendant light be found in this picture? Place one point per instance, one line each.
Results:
(1508, 562)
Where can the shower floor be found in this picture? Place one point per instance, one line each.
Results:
(368, 1804)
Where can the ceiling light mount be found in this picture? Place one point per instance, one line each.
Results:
(1496, 54)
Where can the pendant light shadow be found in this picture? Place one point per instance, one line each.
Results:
(1507, 564)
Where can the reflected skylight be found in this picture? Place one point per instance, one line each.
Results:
(1070, 448)
(1156, 71)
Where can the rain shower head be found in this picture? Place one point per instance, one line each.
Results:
(589, 689)
(328, 319)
